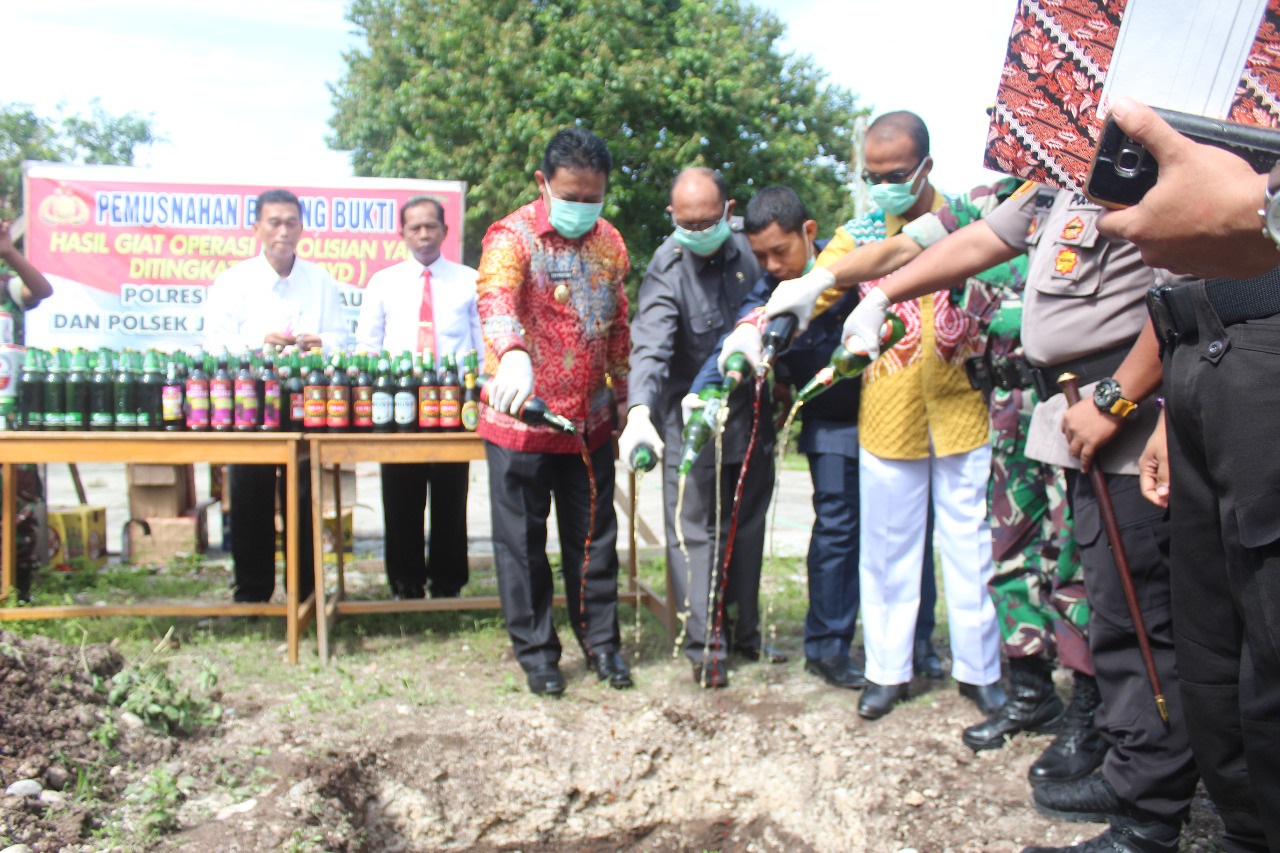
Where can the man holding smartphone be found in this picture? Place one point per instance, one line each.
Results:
(1211, 461)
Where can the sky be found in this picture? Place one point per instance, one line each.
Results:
(238, 89)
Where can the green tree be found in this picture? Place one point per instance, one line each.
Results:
(97, 138)
(473, 89)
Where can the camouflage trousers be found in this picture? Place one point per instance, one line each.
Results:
(26, 526)
(1038, 587)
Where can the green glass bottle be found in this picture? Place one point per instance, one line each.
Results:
(75, 415)
(31, 405)
(846, 364)
(644, 458)
(126, 393)
(102, 394)
(55, 393)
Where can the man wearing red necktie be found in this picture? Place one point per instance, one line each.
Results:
(425, 303)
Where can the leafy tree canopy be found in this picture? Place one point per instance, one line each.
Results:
(98, 138)
(474, 89)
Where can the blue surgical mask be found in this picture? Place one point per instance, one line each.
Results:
(705, 242)
(572, 219)
(896, 199)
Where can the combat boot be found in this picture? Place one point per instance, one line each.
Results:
(1087, 800)
(1032, 706)
(1078, 749)
(1125, 835)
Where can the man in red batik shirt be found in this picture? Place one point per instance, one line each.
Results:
(554, 318)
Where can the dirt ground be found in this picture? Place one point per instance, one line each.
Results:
(411, 748)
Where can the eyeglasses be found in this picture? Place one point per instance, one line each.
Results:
(901, 176)
(698, 226)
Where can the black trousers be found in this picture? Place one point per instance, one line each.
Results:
(253, 530)
(1223, 421)
(691, 578)
(1149, 764)
(404, 500)
(521, 486)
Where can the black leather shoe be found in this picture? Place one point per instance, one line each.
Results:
(1125, 835)
(838, 671)
(879, 699)
(612, 668)
(988, 697)
(546, 681)
(1087, 800)
(769, 653)
(925, 660)
(1033, 706)
(712, 676)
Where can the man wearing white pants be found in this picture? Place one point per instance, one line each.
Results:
(891, 545)
(923, 431)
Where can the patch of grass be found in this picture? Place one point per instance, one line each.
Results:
(165, 706)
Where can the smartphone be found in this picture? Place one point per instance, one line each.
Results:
(1123, 170)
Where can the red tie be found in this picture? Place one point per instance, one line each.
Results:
(426, 319)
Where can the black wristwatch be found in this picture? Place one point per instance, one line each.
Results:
(1108, 397)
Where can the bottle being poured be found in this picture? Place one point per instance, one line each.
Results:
(777, 338)
(534, 411)
(704, 422)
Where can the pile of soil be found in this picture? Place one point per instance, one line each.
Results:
(49, 709)
(777, 762)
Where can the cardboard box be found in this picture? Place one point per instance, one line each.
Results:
(77, 532)
(160, 491)
(163, 539)
(329, 537)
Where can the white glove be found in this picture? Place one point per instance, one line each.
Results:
(689, 404)
(639, 430)
(799, 295)
(861, 331)
(746, 339)
(513, 383)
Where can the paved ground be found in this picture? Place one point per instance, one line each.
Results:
(105, 486)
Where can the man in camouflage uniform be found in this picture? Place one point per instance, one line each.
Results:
(1037, 587)
(18, 295)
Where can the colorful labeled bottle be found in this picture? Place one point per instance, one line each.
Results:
(315, 395)
(197, 398)
(172, 398)
(248, 406)
(428, 395)
(272, 391)
(383, 398)
(450, 396)
(222, 395)
(338, 400)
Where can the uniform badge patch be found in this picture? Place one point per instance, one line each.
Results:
(1066, 262)
(1072, 229)
(1031, 229)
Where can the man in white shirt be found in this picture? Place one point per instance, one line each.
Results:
(274, 298)
(423, 303)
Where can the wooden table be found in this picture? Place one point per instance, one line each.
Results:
(335, 449)
(177, 448)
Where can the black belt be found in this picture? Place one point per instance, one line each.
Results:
(1087, 369)
(1173, 313)
(987, 373)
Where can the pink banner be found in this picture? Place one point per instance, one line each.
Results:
(130, 256)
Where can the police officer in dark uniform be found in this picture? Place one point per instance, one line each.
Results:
(1211, 215)
(690, 296)
(1084, 314)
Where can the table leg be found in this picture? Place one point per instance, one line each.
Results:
(317, 555)
(9, 530)
(291, 551)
